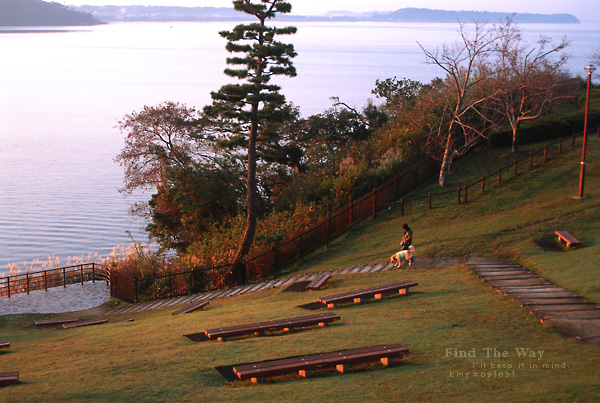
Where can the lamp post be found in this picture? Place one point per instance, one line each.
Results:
(590, 68)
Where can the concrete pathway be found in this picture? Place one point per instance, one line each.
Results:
(569, 313)
(73, 297)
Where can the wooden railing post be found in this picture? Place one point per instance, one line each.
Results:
(64, 277)
(429, 194)
(545, 152)
(93, 272)
(27, 281)
(8, 286)
(530, 159)
(374, 202)
(46, 280)
(560, 145)
(81, 270)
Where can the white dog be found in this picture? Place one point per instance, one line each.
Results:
(396, 258)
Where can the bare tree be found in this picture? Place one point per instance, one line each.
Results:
(527, 75)
(466, 64)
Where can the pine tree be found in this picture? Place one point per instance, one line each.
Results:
(247, 110)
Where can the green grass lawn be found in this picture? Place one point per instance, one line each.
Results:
(451, 311)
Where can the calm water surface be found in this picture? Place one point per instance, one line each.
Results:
(62, 94)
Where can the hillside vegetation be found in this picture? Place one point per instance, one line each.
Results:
(151, 360)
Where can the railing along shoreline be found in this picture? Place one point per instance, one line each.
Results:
(63, 276)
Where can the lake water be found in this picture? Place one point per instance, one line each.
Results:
(62, 94)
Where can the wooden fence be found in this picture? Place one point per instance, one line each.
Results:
(460, 193)
(42, 280)
(268, 262)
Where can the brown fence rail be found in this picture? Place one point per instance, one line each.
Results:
(460, 194)
(268, 262)
(61, 277)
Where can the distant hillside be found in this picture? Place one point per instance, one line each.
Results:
(426, 15)
(168, 13)
(41, 13)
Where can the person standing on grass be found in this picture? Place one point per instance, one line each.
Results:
(407, 239)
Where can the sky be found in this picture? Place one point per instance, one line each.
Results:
(585, 10)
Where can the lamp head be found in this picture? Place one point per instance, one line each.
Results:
(590, 68)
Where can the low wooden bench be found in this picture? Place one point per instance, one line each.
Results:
(8, 377)
(194, 306)
(568, 238)
(287, 324)
(4, 344)
(341, 360)
(52, 322)
(377, 292)
(85, 323)
(95, 322)
(318, 281)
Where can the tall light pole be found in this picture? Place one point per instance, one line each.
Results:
(590, 68)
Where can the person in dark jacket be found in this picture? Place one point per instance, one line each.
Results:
(407, 239)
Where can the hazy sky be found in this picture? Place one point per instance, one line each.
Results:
(585, 10)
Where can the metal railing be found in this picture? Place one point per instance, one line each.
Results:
(60, 277)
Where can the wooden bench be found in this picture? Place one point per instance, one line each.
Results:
(568, 238)
(287, 324)
(318, 281)
(85, 323)
(8, 377)
(4, 344)
(95, 322)
(341, 360)
(52, 322)
(198, 305)
(377, 292)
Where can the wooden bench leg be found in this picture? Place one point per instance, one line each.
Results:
(387, 361)
(221, 338)
(403, 291)
(378, 296)
(305, 373)
(258, 380)
(357, 300)
(341, 368)
(287, 329)
(322, 324)
(331, 306)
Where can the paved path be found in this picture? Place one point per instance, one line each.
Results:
(74, 297)
(569, 313)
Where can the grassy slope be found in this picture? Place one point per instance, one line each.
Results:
(150, 360)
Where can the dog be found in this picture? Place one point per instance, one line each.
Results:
(396, 258)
